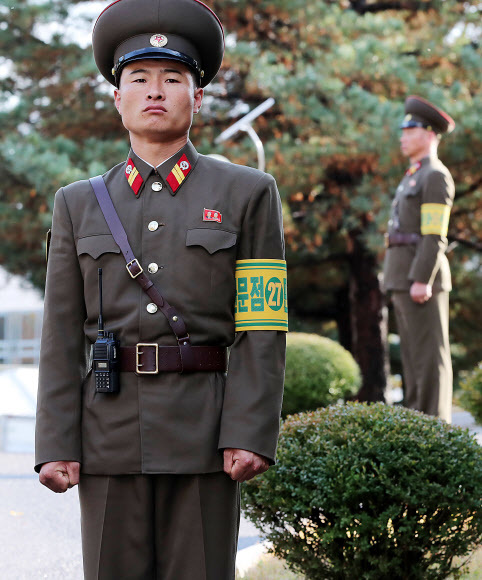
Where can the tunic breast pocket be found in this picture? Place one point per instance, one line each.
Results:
(412, 189)
(95, 246)
(210, 239)
(96, 252)
(211, 264)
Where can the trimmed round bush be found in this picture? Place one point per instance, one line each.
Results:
(471, 396)
(370, 492)
(319, 372)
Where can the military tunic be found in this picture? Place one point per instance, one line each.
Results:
(170, 422)
(422, 207)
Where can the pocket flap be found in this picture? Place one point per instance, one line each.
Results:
(95, 246)
(210, 239)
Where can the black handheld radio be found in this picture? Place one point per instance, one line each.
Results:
(105, 359)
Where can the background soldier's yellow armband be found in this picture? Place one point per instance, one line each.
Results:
(435, 219)
(261, 295)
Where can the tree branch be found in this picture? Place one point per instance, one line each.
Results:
(477, 246)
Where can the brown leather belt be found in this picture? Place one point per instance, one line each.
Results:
(400, 239)
(151, 359)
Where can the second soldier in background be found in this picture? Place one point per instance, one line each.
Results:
(416, 270)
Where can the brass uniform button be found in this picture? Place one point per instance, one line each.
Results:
(151, 308)
(153, 268)
(156, 186)
(152, 227)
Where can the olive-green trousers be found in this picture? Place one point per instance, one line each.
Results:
(425, 349)
(159, 527)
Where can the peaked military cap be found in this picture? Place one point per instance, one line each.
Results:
(421, 113)
(187, 31)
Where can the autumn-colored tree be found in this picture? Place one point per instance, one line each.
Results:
(339, 71)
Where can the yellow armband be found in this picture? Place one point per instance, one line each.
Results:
(261, 295)
(435, 219)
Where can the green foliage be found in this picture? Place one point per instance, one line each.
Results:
(370, 492)
(471, 396)
(465, 300)
(319, 372)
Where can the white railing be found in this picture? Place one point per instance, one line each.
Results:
(19, 351)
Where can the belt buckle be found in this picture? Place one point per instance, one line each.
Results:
(138, 356)
(134, 262)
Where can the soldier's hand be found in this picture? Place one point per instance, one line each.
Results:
(420, 292)
(59, 476)
(242, 465)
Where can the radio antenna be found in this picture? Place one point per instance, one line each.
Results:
(101, 320)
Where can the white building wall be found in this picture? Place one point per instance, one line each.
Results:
(21, 311)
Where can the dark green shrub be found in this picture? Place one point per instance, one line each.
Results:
(370, 493)
(471, 397)
(319, 372)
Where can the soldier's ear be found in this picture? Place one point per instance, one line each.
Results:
(117, 100)
(198, 99)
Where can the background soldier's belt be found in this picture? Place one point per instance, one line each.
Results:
(400, 239)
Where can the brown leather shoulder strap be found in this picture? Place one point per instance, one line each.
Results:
(137, 273)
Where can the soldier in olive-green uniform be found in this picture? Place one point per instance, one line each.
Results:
(160, 461)
(416, 270)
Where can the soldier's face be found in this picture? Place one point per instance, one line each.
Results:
(157, 99)
(415, 142)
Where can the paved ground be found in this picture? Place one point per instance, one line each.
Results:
(40, 531)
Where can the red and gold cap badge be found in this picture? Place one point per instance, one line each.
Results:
(158, 40)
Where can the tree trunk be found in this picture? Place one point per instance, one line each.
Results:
(343, 318)
(368, 323)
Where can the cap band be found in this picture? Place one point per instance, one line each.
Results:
(153, 52)
(411, 124)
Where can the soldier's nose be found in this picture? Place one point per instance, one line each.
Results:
(155, 92)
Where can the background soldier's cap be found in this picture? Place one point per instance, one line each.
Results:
(187, 31)
(421, 113)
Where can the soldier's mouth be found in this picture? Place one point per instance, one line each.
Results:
(155, 109)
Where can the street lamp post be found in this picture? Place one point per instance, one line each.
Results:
(245, 124)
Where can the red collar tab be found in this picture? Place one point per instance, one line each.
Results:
(212, 215)
(179, 173)
(413, 168)
(133, 177)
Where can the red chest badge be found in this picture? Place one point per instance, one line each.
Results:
(212, 215)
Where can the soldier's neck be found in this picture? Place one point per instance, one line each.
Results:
(429, 151)
(156, 153)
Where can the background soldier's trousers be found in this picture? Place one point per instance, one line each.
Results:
(425, 349)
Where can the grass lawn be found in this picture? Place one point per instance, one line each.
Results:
(270, 568)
